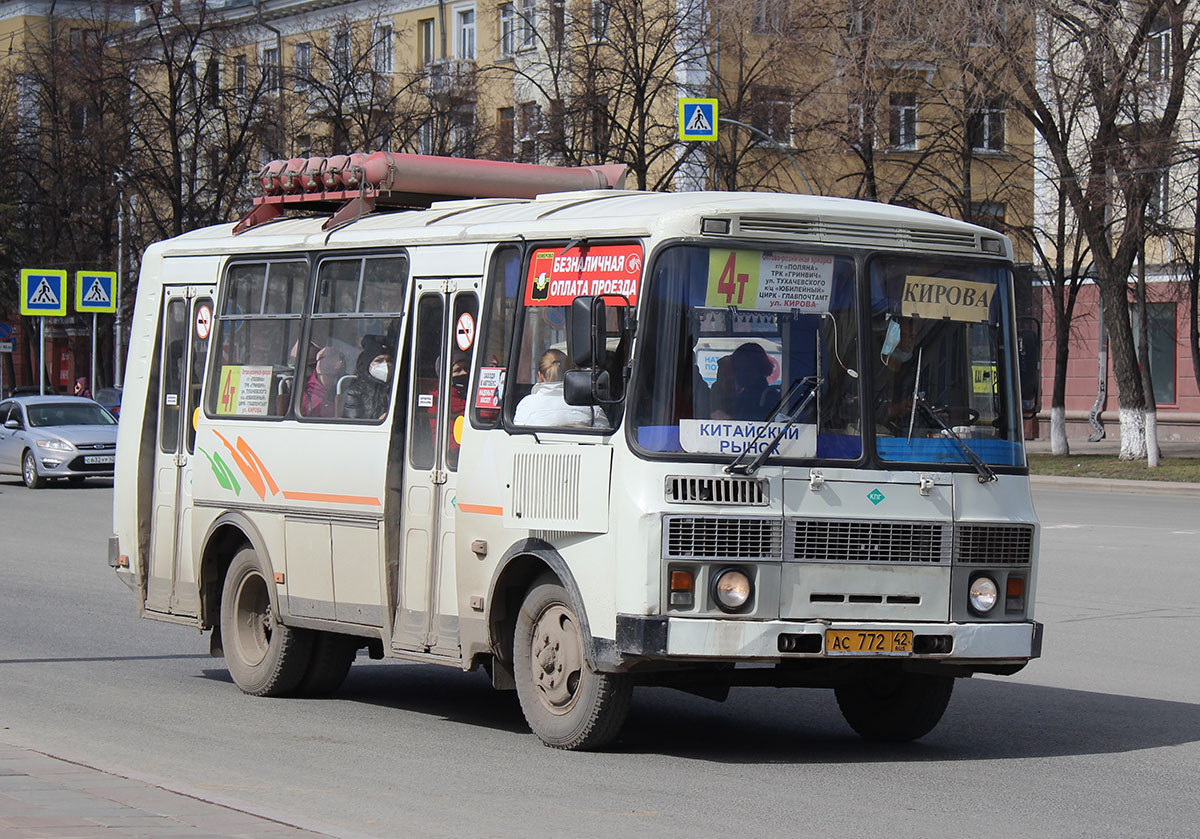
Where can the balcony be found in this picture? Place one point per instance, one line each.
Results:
(452, 79)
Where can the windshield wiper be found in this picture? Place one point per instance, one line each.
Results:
(986, 474)
(736, 467)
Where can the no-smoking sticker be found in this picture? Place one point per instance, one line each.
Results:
(464, 331)
(203, 322)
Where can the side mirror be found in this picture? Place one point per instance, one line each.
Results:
(587, 336)
(580, 389)
(1029, 365)
(12, 423)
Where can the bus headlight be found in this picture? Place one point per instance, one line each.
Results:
(732, 590)
(983, 594)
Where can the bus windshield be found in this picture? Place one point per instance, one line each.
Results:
(731, 332)
(942, 365)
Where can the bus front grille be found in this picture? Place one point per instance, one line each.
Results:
(817, 540)
(747, 492)
(993, 544)
(722, 537)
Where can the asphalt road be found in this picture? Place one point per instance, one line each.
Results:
(1101, 737)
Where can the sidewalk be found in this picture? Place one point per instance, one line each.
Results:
(44, 796)
(1110, 448)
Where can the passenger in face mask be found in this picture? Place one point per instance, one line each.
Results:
(368, 395)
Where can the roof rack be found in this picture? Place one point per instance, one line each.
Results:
(350, 186)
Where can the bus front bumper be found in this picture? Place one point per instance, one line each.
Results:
(715, 639)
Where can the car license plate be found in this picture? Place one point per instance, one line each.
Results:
(98, 459)
(868, 642)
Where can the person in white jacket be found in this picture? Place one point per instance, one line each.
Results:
(545, 405)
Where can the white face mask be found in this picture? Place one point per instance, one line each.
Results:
(380, 370)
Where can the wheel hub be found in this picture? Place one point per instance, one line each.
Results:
(557, 659)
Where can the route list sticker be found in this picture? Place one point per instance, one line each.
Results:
(245, 391)
(769, 281)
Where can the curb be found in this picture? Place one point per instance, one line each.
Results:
(1173, 488)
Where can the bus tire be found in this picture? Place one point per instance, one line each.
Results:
(264, 657)
(895, 706)
(566, 703)
(29, 471)
(332, 655)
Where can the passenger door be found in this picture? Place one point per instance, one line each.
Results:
(7, 440)
(187, 319)
(443, 346)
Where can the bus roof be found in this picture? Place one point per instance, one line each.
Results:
(613, 213)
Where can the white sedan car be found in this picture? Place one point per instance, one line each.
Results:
(44, 437)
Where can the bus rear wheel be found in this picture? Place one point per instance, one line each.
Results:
(264, 657)
(895, 706)
(566, 703)
(332, 655)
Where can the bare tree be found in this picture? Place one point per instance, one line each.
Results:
(204, 106)
(1107, 169)
(605, 79)
(347, 92)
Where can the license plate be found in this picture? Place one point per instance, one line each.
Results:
(97, 459)
(868, 642)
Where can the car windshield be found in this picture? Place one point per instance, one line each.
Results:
(49, 414)
(940, 332)
(730, 332)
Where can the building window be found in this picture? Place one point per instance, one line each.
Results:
(270, 69)
(860, 130)
(558, 21)
(904, 120)
(462, 131)
(599, 22)
(302, 65)
(985, 127)
(425, 42)
(508, 29)
(212, 82)
(1161, 340)
(1159, 54)
(381, 56)
(770, 15)
(340, 67)
(529, 123)
(239, 75)
(772, 113)
(862, 17)
(1157, 206)
(464, 33)
(506, 124)
(528, 16)
(425, 138)
(988, 214)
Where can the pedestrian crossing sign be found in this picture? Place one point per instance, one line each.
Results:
(43, 292)
(94, 291)
(698, 119)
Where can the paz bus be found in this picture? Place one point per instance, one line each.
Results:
(516, 417)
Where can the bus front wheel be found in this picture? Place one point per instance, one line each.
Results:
(264, 657)
(895, 706)
(566, 703)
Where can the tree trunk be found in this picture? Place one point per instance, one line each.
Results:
(1130, 397)
(1151, 418)
(1058, 401)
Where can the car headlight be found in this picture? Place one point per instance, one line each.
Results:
(57, 445)
(983, 594)
(732, 589)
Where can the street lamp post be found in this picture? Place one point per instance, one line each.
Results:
(119, 179)
(773, 142)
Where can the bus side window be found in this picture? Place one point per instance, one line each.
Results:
(350, 356)
(258, 331)
(495, 338)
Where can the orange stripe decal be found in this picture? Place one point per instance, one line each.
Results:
(333, 499)
(482, 509)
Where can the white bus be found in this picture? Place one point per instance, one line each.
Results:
(586, 440)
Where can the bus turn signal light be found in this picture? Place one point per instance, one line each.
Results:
(683, 584)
